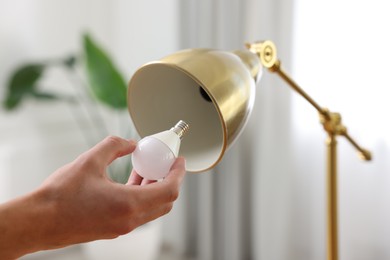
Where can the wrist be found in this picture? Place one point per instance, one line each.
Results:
(24, 222)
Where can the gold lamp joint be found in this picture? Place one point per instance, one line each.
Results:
(332, 122)
(266, 51)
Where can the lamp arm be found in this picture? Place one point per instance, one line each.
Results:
(278, 70)
(364, 154)
(266, 51)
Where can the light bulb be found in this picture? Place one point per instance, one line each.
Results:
(154, 155)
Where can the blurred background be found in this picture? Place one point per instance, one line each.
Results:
(266, 200)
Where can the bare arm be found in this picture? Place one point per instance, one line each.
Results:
(79, 203)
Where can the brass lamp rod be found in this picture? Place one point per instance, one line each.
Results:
(266, 51)
(277, 69)
(363, 153)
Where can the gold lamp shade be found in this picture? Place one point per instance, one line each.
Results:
(213, 91)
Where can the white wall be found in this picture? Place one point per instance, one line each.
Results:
(37, 30)
(38, 138)
(30, 31)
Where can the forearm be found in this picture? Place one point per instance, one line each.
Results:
(23, 223)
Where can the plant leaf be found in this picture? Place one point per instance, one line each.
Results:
(22, 82)
(51, 96)
(105, 81)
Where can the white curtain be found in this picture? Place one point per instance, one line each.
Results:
(240, 210)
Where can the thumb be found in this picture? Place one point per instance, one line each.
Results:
(178, 171)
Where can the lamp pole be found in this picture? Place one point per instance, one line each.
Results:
(266, 51)
(332, 227)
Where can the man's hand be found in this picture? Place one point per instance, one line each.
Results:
(79, 203)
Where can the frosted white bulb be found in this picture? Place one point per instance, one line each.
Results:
(154, 155)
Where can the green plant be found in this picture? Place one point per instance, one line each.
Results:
(101, 84)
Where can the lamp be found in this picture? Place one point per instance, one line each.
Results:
(213, 91)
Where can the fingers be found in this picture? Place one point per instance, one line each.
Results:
(111, 148)
(136, 179)
(152, 201)
(166, 190)
(146, 182)
(177, 172)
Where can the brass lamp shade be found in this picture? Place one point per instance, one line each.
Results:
(212, 90)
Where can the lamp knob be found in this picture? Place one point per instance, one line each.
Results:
(266, 50)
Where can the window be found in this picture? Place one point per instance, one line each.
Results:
(341, 54)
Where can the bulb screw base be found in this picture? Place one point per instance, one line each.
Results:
(180, 128)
